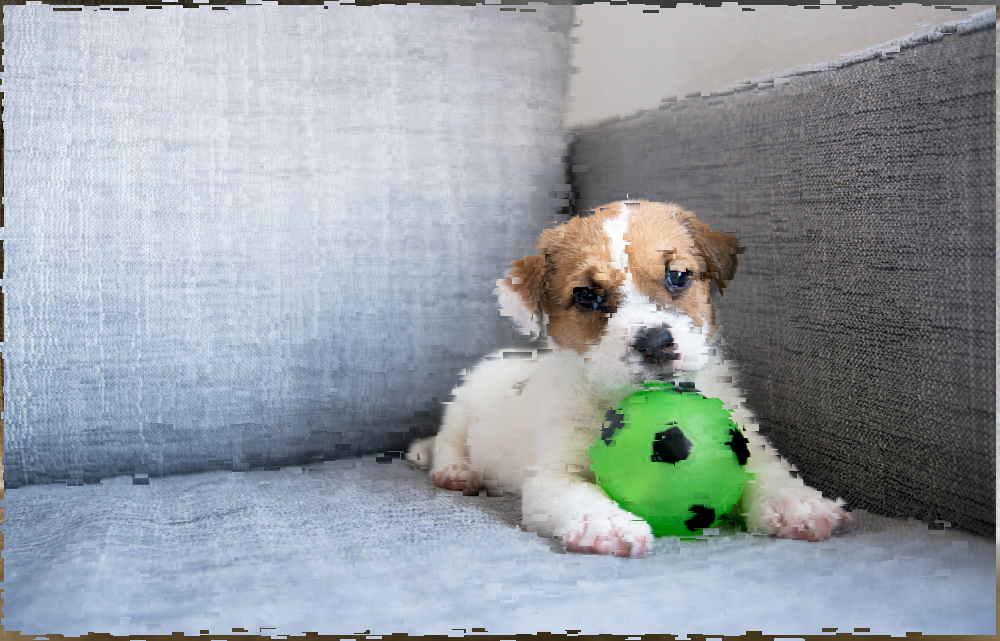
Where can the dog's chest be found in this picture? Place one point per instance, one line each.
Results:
(524, 416)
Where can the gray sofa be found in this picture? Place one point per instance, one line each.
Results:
(249, 251)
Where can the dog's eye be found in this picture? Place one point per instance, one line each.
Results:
(586, 298)
(678, 280)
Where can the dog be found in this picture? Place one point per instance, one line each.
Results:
(622, 296)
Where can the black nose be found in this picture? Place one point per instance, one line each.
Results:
(656, 345)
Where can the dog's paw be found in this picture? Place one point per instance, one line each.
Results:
(791, 515)
(455, 476)
(617, 533)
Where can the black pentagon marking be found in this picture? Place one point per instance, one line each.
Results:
(612, 423)
(738, 443)
(670, 446)
(687, 387)
(703, 517)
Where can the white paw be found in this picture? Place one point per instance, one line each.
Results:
(792, 515)
(617, 533)
(456, 476)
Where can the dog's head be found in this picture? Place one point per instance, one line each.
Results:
(628, 288)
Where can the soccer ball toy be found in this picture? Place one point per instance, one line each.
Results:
(673, 457)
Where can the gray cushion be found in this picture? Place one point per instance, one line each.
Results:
(863, 313)
(260, 235)
(353, 545)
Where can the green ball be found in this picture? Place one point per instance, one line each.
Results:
(673, 457)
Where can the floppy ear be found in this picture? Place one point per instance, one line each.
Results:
(720, 251)
(521, 294)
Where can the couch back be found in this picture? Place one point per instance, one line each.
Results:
(863, 312)
(261, 235)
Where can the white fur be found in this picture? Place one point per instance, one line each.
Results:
(524, 426)
(528, 320)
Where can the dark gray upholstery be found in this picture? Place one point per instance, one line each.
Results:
(863, 312)
(268, 234)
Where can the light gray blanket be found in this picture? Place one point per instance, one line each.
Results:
(353, 545)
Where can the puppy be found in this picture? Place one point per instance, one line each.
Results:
(623, 296)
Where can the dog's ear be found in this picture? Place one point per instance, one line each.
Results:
(521, 294)
(720, 251)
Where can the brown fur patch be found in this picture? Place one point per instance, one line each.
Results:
(720, 251)
(659, 239)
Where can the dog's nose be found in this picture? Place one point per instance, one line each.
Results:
(656, 345)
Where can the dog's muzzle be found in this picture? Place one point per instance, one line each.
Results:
(656, 345)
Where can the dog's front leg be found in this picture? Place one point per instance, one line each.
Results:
(582, 516)
(452, 469)
(560, 499)
(776, 502)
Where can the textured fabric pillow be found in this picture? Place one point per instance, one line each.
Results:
(265, 234)
(863, 312)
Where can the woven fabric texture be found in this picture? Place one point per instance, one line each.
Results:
(352, 545)
(863, 312)
(267, 234)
